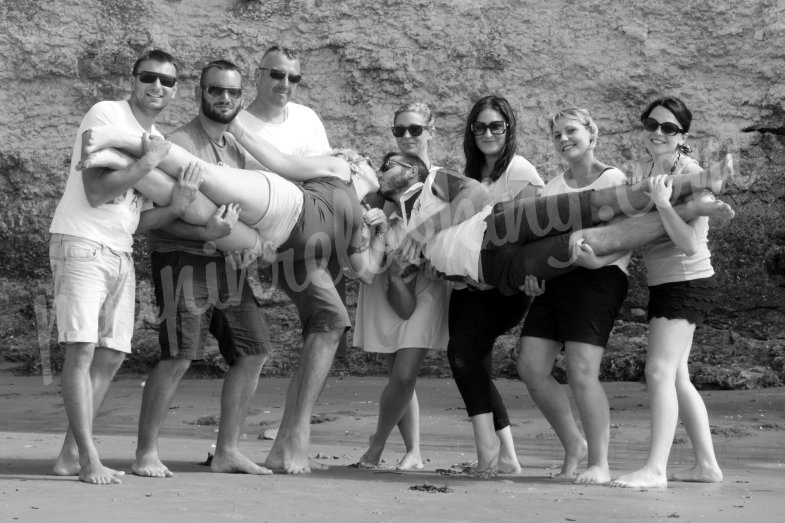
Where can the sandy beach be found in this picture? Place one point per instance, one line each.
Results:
(748, 434)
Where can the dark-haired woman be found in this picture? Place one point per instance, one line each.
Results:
(477, 318)
(682, 290)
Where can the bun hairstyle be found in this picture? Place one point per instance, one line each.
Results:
(419, 108)
(582, 116)
(679, 110)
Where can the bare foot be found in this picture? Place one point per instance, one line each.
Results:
(104, 136)
(642, 478)
(67, 464)
(289, 455)
(572, 459)
(235, 462)
(698, 474)
(411, 461)
(720, 174)
(150, 466)
(594, 475)
(509, 465)
(107, 158)
(715, 209)
(96, 474)
(372, 456)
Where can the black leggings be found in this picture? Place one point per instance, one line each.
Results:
(476, 319)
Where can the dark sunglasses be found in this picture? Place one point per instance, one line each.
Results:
(497, 127)
(414, 130)
(217, 90)
(277, 74)
(668, 128)
(387, 165)
(150, 78)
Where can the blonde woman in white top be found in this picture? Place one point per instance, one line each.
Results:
(576, 311)
(402, 315)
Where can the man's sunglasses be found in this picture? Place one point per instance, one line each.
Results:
(414, 130)
(497, 127)
(150, 78)
(668, 128)
(217, 90)
(277, 74)
(387, 165)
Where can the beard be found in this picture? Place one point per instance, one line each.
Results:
(216, 116)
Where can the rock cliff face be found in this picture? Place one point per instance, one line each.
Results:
(362, 59)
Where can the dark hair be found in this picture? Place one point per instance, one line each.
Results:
(674, 105)
(474, 157)
(154, 54)
(413, 160)
(223, 65)
(289, 53)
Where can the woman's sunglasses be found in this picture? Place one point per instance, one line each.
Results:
(150, 78)
(414, 130)
(668, 128)
(497, 127)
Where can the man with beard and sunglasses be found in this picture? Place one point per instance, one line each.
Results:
(197, 292)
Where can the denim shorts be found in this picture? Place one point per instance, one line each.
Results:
(95, 292)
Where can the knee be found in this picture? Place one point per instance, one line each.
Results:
(657, 373)
(79, 355)
(581, 375)
(405, 381)
(174, 368)
(251, 361)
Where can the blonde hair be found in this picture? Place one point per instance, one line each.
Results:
(352, 157)
(420, 108)
(582, 116)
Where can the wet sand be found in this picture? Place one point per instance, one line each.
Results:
(748, 428)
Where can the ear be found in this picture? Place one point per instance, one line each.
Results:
(197, 92)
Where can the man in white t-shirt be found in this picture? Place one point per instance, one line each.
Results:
(90, 256)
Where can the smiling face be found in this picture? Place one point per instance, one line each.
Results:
(276, 92)
(571, 138)
(220, 107)
(490, 144)
(152, 98)
(657, 143)
(394, 179)
(416, 145)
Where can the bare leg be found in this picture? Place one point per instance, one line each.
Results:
(397, 397)
(409, 427)
(583, 369)
(290, 449)
(693, 414)
(157, 396)
(668, 341)
(508, 459)
(487, 444)
(239, 387)
(535, 362)
(630, 233)
(631, 200)
(86, 370)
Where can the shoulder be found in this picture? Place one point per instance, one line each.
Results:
(301, 111)
(186, 135)
(521, 169)
(108, 112)
(612, 175)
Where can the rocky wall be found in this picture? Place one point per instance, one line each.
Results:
(362, 59)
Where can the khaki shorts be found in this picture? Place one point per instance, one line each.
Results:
(95, 289)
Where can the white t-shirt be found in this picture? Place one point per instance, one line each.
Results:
(509, 184)
(608, 178)
(378, 328)
(113, 223)
(301, 133)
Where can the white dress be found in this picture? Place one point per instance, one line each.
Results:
(378, 328)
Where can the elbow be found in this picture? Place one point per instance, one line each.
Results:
(690, 250)
(404, 312)
(94, 199)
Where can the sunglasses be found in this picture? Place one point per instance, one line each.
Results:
(217, 90)
(414, 130)
(277, 74)
(387, 165)
(150, 78)
(497, 127)
(668, 128)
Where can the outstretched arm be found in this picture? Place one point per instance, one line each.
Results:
(296, 168)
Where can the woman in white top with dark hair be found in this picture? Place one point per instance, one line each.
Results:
(575, 311)
(402, 315)
(682, 291)
(477, 318)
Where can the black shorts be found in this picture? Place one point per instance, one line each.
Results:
(194, 297)
(689, 300)
(580, 306)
